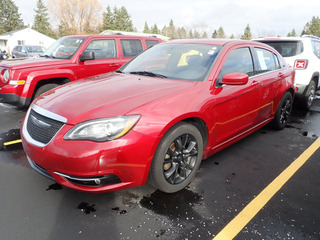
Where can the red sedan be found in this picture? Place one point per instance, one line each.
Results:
(157, 117)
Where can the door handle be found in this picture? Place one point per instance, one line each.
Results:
(254, 83)
(114, 65)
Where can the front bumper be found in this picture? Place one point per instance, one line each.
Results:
(14, 99)
(94, 167)
(12, 94)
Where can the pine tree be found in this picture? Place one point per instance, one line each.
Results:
(190, 35)
(292, 33)
(10, 18)
(171, 30)
(181, 33)
(41, 20)
(118, 19)
(155, 29)
(108, 19)
(204, 35)
(122, 20)
(247, 33)
(221, 33)
(196, 34)
(214, 34)
(146, 28)
(312, 27)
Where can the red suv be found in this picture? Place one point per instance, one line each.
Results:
(158, 116)
(68, 59)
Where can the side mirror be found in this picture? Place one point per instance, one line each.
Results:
(87, 55)
(235, 79)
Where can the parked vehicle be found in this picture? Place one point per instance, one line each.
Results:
(3, 55)
(304, 54)
(158, 116)
(24, 51)
(68, 59)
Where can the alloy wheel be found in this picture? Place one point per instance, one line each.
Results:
(180, 159)
(285, 111)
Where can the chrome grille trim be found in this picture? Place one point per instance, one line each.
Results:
(45, 113)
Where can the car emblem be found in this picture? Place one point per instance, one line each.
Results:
(39, 122)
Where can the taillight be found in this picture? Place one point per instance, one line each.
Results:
(301, 64)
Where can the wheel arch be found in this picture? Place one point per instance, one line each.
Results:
(200, 125)
(315, 78)
(59, 81)
(196, 121)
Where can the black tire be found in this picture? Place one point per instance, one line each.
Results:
(283, 112)
(309, 95)
(45, 88)
(177, 158)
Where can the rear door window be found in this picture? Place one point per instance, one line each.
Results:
(131, 47)
(268, 61)
(151, 43)
(316, 48)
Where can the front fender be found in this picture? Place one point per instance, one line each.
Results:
(35, 77)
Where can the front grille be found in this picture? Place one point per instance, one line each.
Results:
(41, 128)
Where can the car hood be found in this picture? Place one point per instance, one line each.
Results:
(22, 63)
(107, 95)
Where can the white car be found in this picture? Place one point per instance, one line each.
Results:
(304, 54)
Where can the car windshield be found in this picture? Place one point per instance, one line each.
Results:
(64, 48)
(35, 49)
(286, 48)
(189, 62)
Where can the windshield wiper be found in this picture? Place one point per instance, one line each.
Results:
(149, 74)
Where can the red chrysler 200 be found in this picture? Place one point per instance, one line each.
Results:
(158, 116)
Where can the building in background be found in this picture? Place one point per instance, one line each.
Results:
(26, 36)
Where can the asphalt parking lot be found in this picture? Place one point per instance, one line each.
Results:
(33, 207)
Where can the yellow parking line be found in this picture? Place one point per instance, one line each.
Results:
(12, 142)
(244, 217)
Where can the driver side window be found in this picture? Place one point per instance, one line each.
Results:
(103, 48)
(238, 61)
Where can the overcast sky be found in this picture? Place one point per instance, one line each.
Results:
(266, 18)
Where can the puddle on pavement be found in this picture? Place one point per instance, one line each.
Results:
(173, 205)
(121, 212)
(86, 207)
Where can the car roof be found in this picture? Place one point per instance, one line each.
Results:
(278, 39)
(215, 41)
(113, 36)
(287, 38)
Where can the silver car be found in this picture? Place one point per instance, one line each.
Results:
(22, 51)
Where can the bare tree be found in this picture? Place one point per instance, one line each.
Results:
(76, 16)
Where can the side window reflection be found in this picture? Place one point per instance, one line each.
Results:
(238, 61)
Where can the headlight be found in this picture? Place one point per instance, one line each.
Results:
(6, 76)
(101, 130)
